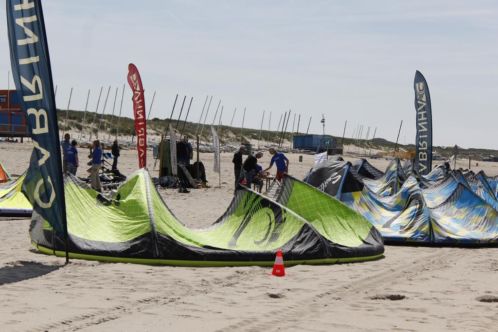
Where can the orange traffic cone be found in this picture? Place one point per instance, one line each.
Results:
(278, 266)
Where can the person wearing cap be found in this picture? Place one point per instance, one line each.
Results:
(237, 163)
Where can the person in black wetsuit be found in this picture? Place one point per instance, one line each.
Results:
(250, 168)
(184, 153)
(237, 163)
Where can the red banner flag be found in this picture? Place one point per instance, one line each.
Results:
(139, 112)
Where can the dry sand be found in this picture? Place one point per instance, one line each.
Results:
(411, 289)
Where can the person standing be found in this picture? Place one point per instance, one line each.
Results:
(184, 153)
(65, 145)
(115, 149)
(237, 163)
(72, 161)
(281, 161)
(96, 164)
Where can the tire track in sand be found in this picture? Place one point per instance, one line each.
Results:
(315, 304)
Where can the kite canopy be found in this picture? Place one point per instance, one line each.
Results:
(13, 203)
(442, 207)
(309, 227)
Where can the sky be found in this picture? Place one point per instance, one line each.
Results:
(351, 61)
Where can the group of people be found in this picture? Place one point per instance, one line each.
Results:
(70, 159)
(250, 172)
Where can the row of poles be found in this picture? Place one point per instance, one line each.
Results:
(282, 127)
(99, 114)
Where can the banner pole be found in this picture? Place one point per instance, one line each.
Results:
(242, 128)
(202, 113)
(397, 138)
(216, 113)
(113, 110)
(96, 112)
(261, 127)
(171, 115)
(180, 115)
(186, 116)
(103, 111)
(84, 114)
(269, 126)
(309, 122)
(151, 104)
(120, 109)
(221, 114)
(206, 115)
(233, 116)
(281, 130)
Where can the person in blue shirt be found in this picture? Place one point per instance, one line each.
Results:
(65, 145)
(96, 165)
(72, 161)
(282, 163)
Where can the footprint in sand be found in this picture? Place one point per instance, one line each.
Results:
(487, 299)
(390, 297)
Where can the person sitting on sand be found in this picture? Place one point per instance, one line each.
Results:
(279, 159)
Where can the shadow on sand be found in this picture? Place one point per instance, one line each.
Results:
(23, 270)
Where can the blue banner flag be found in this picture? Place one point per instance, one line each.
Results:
(30, 62)
(423, 142)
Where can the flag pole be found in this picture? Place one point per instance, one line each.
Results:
(84, 114)
(186, 116)
(103, 111)
(96, 111)
(202, 113)
(233, 116)
(113, 110)
(309, 122)
(206, 115)
(397, 138)
(216, 113)
(181, 111)
(120, 109)
(242, 128)
(221, 114)
(67, 110)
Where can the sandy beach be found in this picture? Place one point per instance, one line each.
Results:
(411, 289)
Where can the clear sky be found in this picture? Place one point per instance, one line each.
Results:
(350, 60)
